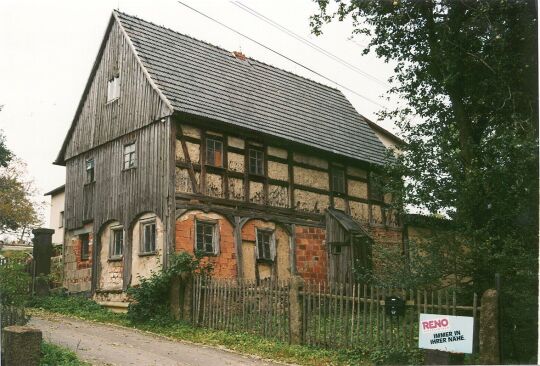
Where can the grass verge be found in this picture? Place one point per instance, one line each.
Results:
(240, 342)
(53, 355)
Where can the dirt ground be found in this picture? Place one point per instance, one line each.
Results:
(101, 344)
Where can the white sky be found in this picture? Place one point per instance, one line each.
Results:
(48, 48)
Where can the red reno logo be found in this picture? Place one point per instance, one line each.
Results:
(435, 325)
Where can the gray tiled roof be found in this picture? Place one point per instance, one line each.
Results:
(205, 80)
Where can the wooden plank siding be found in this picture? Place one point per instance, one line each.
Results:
(120, 194)
(138, 105)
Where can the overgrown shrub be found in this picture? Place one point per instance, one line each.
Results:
(14, 284)
(151, 298)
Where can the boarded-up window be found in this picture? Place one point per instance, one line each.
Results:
(130, 156)
(206, 237)
(338, 180)
(256, 162)
(85, 246)
(266, 248)
(90, 177)
(148, 237)
(113, 89)
(117, 242)
(214, 152)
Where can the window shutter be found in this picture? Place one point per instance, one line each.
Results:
(273, 246)
(216, 238)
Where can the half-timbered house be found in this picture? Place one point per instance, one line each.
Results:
(179, 145)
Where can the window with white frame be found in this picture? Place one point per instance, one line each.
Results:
(148, 237)
(266, 246)
(206, 237)
(130, 156)
(113, 88)
(90, 176)
(256, 161)
(117, 242)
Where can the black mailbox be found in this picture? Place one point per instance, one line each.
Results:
(394, 306)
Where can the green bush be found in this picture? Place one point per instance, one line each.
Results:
(150, 299)
(52, 355)
(14, 284)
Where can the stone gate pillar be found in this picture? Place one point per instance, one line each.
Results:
(42, 258)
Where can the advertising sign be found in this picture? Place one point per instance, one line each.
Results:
(446, 333)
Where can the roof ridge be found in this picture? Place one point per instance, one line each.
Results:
(228, 51)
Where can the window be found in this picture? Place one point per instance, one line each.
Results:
(117, 243)
(376, 187)
(336, 249)
(85, 246)
(113, 89)
(256, 161)
(90, 171)
(265, 244)
(338, 180)
(148, 239)
(206, 240)
(61, 220)
(130, 157)
(214, 152)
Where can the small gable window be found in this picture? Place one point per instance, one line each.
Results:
(148, 237)
(256, 162)
(117, 243)
(85, 246)
(214, 152)
(206, 237)
(90, 171)
(266, 247)
(338, 180)
(113, 89)
(130, 156)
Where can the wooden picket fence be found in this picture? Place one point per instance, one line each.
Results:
(338, 315)
(12, 315)
(332, 315)
(242, 305)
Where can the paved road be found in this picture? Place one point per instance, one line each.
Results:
(109, 345)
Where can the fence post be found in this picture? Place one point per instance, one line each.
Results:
(22, 345)
(489, 328)
(295, 311)
(42, 254)
(180, 296)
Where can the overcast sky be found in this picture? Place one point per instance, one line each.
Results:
(48, 48)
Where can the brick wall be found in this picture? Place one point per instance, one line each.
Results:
(77, 272)
(311, 255)
(225, 262)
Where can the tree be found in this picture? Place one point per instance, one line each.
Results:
(468, 72)
(19, 210)
(5, 154)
